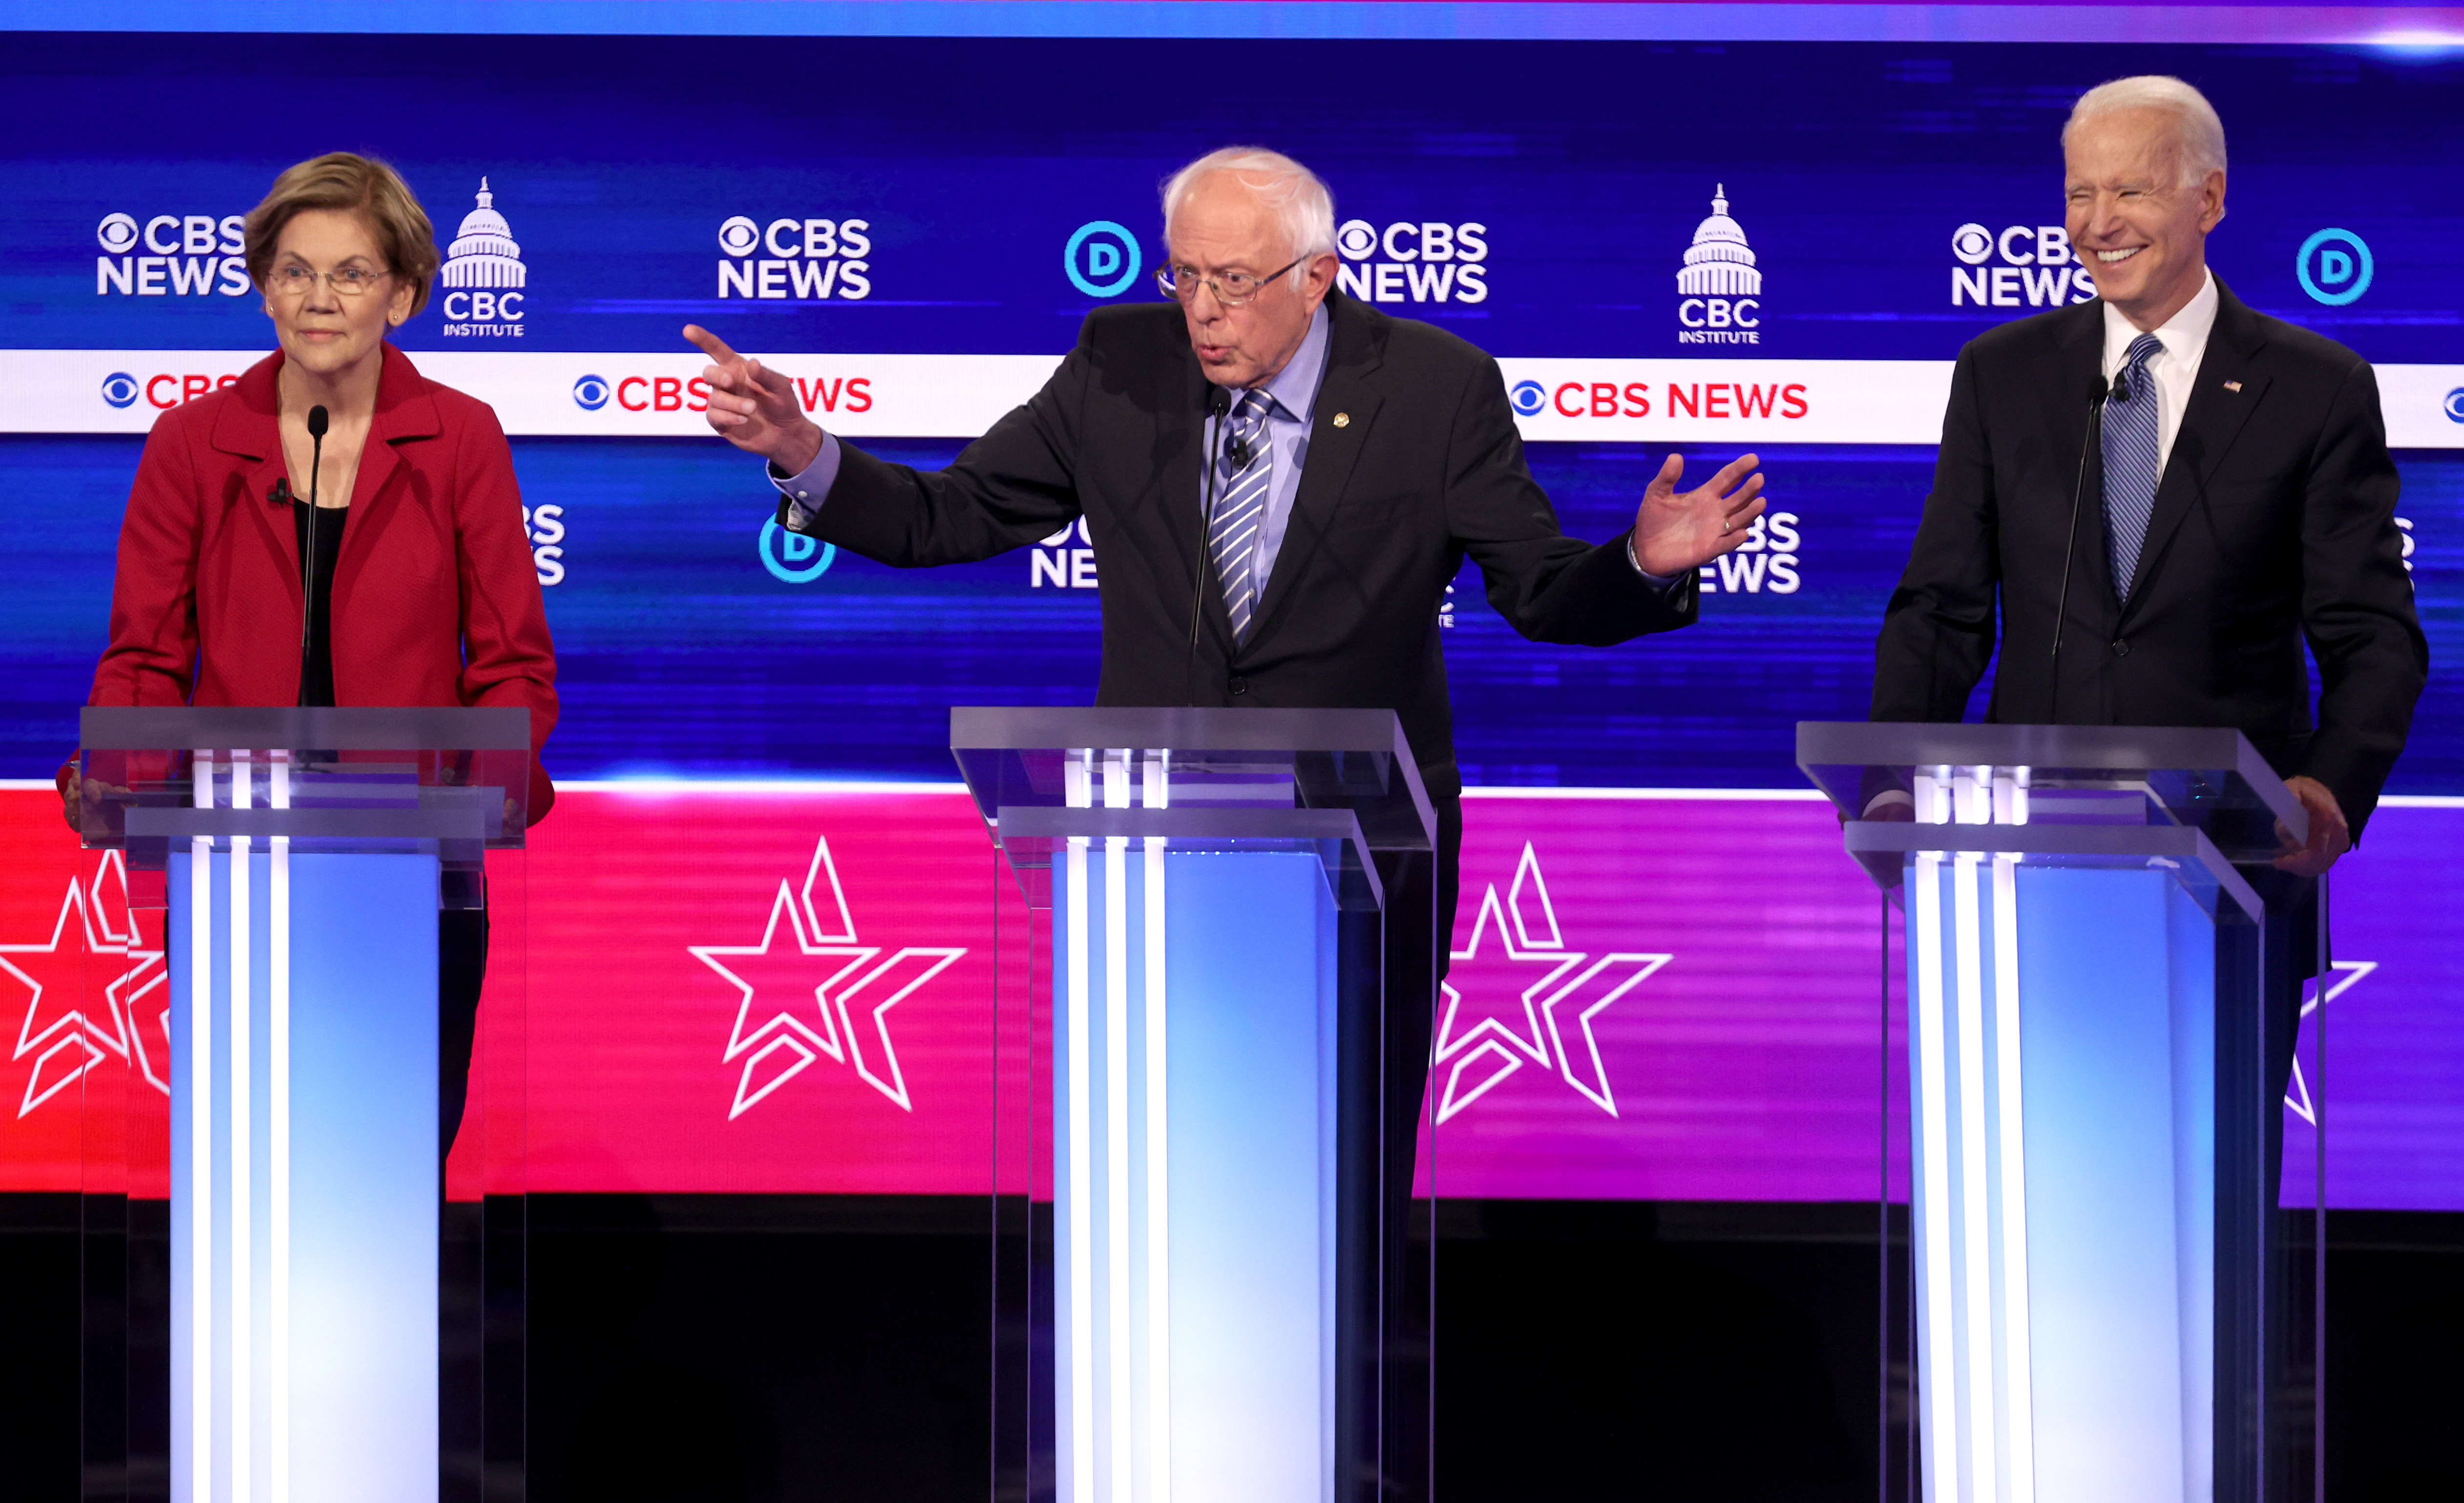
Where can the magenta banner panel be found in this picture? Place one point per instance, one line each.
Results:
(1653, 997)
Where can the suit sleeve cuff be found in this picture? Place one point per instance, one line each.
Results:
(1662, 582)
(809, 487)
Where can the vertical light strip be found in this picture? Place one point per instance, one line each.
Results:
(1119, 1392)
(277, 1144)
(201, 1144)
(1081, 1272)
(2011, 1127)
(242, 1276)
(1939, 1372)
(1975, 1188)
(1158, 1191)
(1156, 793)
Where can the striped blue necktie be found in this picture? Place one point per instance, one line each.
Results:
(1241, 507)
(2130, 465)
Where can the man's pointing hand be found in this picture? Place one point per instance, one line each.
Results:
(755, 408)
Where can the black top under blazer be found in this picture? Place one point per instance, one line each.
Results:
(1413, 463)
(2274, 521)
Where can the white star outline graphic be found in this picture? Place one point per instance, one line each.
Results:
(838, 1038)
(1612, 976)
(92, 1036)
(2297, 1094)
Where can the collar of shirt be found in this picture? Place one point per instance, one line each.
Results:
(1294, 388)
(2184, 335)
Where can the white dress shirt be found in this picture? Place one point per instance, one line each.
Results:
(2176, 368)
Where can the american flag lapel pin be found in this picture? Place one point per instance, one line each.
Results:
(2233, 386)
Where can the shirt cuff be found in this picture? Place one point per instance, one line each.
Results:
(809, 487)
(1657, 581)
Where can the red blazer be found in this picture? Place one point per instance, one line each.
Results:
(436, 601)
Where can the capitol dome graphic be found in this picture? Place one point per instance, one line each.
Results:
(1720, 264)
(484, 254)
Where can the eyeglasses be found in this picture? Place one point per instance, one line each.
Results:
(1231, 289)
(351, 281)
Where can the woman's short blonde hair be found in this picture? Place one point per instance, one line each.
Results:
(353, 184)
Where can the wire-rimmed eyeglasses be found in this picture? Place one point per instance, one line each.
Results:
(1231, 289)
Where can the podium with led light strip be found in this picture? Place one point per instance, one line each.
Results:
(302, 856)
(2104, 1314)
(1204, 896)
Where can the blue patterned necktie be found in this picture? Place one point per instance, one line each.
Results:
(2130, 464)
(1241, 507)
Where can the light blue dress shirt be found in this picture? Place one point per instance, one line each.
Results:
(1291, 393)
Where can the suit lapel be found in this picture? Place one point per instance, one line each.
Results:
(405, 414)
(248, 428)
(1181, 460)
(2222, 399)
(1347, 391)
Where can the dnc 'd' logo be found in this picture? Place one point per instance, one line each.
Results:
(1719, 287)
(484, 276)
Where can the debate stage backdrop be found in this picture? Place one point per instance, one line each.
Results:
(1665, 979)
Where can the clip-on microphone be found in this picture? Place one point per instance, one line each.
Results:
(1219, 402)
(317, 422)
(2118, 391)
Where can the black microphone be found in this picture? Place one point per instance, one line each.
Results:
(319, 420)
(1219, 402)
(2097, 396)
(1239, 452)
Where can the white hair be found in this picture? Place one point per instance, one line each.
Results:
(2199, 133)
(1297, 195)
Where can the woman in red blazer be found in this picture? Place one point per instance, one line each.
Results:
(424, 589)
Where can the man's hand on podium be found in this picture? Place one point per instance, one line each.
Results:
(2330, 836)
(755, 408)
(1674, 533)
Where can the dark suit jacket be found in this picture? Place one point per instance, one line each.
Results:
(2274, 521)
(1413, 463)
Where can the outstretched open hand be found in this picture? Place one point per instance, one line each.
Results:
(1677, 531)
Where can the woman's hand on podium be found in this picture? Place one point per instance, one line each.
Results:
(1675, 533)
(755, 408)
(2330, 836)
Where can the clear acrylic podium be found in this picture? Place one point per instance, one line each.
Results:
(2105, 1311)
(302, 856)
(1196, 1236)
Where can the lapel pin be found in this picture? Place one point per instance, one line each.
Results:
(1343, 420)
(2233, 386)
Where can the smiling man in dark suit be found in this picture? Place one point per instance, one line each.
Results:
(2237, 501)
(2241, 500)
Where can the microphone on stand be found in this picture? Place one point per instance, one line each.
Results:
(2097, 396)
(319, 420)
(1219, 402)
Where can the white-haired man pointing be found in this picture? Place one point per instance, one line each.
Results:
(1358, 459)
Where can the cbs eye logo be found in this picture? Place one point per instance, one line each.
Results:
(1528, 397)
(118, 233)
(1971, 243)
(590, 393)
(119, 389)
(1357, 239)
(739, 236)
